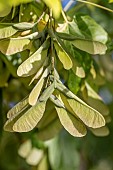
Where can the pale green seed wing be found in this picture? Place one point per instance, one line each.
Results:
(30, 119)
(71, 123)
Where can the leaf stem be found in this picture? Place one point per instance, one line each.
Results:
(96, 5)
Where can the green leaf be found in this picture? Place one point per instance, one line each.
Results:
(34, 95)
(56, 7)
(14, 45)
(74, 82)
(23, 26)
(71, 123)
(74, 30)
(6, 30)
(96, 31)
(103, 131)
(30, 119)
(89, 46)
(59, 150)
(66, 36)
(88, 115)
(34, 62)
(63, 56)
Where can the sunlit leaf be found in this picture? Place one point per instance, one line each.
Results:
(91, 47)
(30, 119)
(63, 56)
(71, 123)
(97, 32)
(56, 7)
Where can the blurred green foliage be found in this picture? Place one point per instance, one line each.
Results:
(25, 151)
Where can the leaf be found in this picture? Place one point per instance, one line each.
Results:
(66, 36)
(34, 95)
(89, 46)
(97, 32)
(6, 30)
(14, 45)
(74, 82)
(59, 150)
(23, 26)
(34, 62)
(89, 116)
(56, 7)
(63, 56)
(110, 1)
(30, 119)
(103, 131)
(71, 123)
(18, 107)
